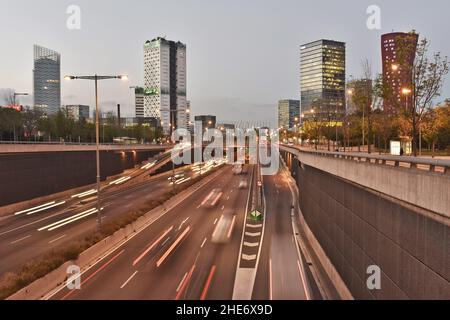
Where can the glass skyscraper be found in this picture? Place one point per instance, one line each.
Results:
(322, 79)
(288, 111)
(47, 80)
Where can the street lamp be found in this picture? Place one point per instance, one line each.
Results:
(96, 78)
(18, 94)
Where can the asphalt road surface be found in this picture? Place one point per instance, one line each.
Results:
(175, 258)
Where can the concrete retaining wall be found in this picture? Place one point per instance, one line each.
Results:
(26, 176)
(358, 227)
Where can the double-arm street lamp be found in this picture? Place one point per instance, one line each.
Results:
(96, 78)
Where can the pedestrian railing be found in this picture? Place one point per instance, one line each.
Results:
(408, 162)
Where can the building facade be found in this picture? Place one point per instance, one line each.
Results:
(47, 80)
(189, 124)
(139, 102)
(165, 83)
(322, 78)
(207, 121)
(398, 52)
(288, 113)
(77, 112)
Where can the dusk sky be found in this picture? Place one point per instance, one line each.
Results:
(242, 56)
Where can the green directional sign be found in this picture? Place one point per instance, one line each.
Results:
(256, 215)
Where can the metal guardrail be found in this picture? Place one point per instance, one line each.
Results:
(432, 165)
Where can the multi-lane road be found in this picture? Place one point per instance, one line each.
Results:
(178, 257)
(175, 257)
(29, 233)
(190, 252)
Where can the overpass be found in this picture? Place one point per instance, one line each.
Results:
(360, 210)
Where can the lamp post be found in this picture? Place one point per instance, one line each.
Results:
(407, 92)
(349, 94)
(316, 127)
(96, 78)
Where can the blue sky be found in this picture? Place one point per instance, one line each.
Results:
(243, 56)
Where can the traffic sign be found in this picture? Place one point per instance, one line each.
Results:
(256, 215)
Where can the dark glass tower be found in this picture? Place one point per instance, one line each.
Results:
(322, 79)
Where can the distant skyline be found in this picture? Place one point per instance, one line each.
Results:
(242, 57)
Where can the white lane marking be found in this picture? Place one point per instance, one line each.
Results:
(181, 282)
(215, 221)
(303, 280)
(59, 238)
(34, 208)
(251, 244)
(254, 225)
(228, 198)
(128, 280)
(18, 240)
(251, 234)
(203, 243)
(270, 280)
(249, 257)
(223, 207)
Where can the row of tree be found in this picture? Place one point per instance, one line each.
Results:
(414, 115)
(33, 125)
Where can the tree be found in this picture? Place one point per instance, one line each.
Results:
(427, 73)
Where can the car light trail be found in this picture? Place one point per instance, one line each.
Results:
(119, 181)
(46, 208)
(84, 194)
(172, 247)
(69, 219)
(153, 245)
(42, 205)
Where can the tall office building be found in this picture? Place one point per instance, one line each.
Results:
(165, 82)
(189, 124)
(207, 121)
(139, 102)
(47, 79)
(398, 52)
(77, 111)
(288, 113)
(322, 78)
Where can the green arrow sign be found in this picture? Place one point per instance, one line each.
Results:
(256, 215)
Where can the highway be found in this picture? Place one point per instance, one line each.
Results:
(26, 235)
(281, 274)
(175, 258)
